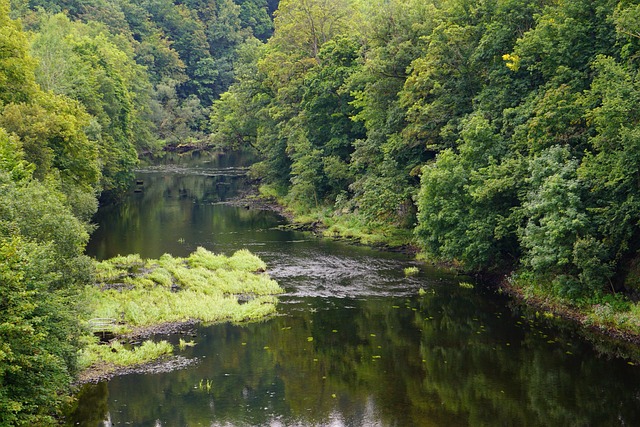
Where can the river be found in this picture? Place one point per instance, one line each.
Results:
(356, 343)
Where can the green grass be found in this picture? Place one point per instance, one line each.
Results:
(354, 227)
(204, 287)
(606, 311)
(338, 225)
(117, 355)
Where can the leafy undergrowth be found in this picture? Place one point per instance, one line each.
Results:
(132, 294)
(354, 228)
(612, 314)
(338, 224)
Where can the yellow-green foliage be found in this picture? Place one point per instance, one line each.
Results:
(208, 286)
(354, 227)
(117, 354)
(182, 344)
(161, 276)
(118, 268)
(242, 260)
(466, 285)
(411, 271)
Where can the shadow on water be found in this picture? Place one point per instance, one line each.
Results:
(355, 344)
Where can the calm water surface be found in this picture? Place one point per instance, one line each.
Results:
(356, 343)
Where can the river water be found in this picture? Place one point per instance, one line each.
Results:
(356, 343)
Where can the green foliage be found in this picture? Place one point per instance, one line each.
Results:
(107, 81)
(255, 14)
(117, 355)
(465, 199)
(17, 82)
(504, 132)
(204, 287)
(42, 266)
(27, 357)
(555, 215)
(411, 271)
(302, 27)
(80, 96)
(242, 260)
(48, 177)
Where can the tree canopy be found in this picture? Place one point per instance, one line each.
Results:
(85, 87)
(502, 132)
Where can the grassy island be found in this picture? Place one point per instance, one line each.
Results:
(132, 295)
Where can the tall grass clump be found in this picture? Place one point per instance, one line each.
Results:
(204, 287)
(117, 355)
(242, 260)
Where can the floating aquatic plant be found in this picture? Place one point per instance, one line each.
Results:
(182, 344)
(411, 271)
(466, 285)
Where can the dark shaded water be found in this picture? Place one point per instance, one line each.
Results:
(356, 343)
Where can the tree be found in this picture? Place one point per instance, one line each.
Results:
(303, 26)
(41, 267)
(466, 198)
(51, 131)
(255, 15)
(17, 81)
(111, 86)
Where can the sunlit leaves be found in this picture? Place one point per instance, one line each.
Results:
(17, 82)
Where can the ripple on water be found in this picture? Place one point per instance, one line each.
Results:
(188, 170)
(315, 275)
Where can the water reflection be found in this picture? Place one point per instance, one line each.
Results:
(356, 344)
(442, 359)
(179, 206)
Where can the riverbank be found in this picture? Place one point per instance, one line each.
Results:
(612, 318)
(101, 370)
(348, 228)
(616, 320)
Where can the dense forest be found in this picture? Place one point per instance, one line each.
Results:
(502, 133)
(85, 87)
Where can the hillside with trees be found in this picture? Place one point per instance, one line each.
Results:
(85, 88)
(501, 134)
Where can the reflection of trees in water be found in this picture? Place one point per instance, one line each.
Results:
(90, 407)
(449, 357)
(482, 374)
(173, 208)
(388, 360)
